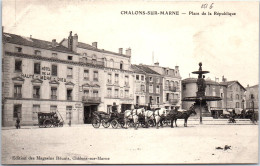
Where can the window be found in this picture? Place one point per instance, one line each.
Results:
(116, 93)
(221, 95)
(54, 70)
(36, 92)
(151, 99)
(86, 92)
(109, 92)
(18, 65)
(36, 109)
(109, 78)
(105, 62)
(252, 96)
(126, 93)
(37, 68)
(37, 52)
(68, 112)
(18, 49)
(95, 76)
(94, 59)
(18, 91)
(17, 111)
(95, 93)
(116, 78)
(150, 88)
(54, 93)
(137, 77)
(167, 72)
(54, 55)
(69, 72)
(237, 97)
(53, 108)
(158, 89)
(184, 87)
(150, 79)
(142, 77)
(121, 65)
(69, 94)
(158, 100)
(70, 57)
(86, 75)
(167, 96)
(126, 81)
(142, 88)
(137, 99)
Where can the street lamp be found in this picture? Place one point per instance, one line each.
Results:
(200, 111)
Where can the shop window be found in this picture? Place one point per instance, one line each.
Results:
(17, 111)
(68, 112)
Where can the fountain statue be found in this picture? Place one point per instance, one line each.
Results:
(200, 99)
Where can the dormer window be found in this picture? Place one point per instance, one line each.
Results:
(18, 49)
(70, 57)
(37, 52)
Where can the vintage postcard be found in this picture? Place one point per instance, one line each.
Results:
(140, 82)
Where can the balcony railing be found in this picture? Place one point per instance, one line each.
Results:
(54, 97)
(36, 96)
(91, 99)
(172, 88)
(18, 95)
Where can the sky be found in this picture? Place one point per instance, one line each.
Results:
(226, 45)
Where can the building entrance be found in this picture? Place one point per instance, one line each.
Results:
(88, 110)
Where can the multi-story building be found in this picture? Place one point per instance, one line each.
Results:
(251, 97)
(171, 85)
(72, 77)
(112, 81)
(154, 86)
(213, 88)
(235, 93)
(38, 76)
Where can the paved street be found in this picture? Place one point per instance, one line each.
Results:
(84, 144)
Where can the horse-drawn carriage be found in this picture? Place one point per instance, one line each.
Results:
(49, 120)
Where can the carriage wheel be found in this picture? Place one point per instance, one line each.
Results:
(105, 123)
(114, 123)
(95, 123)
(47, 123)
(151, 123)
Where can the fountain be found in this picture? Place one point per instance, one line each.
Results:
(200, 99)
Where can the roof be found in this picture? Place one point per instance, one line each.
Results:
(31, 42)
(90, 47)
(254, 86)
(136, 69)
(147, 69)
(229, 83)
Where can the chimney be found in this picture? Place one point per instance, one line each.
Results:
(30, 36)
(70, 41)
(248, 85)
(128, 51)
(94, 44)
(177, 68)
(75, 42)
(156, 63)
(53, 43)
(120, 50)
(224, 79)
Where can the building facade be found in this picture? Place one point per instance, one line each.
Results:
(251, 97)
(235, 94)
(153, 85)
(139, 86)
(171, 85)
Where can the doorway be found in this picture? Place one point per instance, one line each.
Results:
(88, 110)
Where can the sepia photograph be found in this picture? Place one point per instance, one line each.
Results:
(120, 82)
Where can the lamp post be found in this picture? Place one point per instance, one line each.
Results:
(200, 111)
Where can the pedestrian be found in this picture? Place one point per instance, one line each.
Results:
(17, 124)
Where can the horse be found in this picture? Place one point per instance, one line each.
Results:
(173, 115)
(133, 114)
(158, 114)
